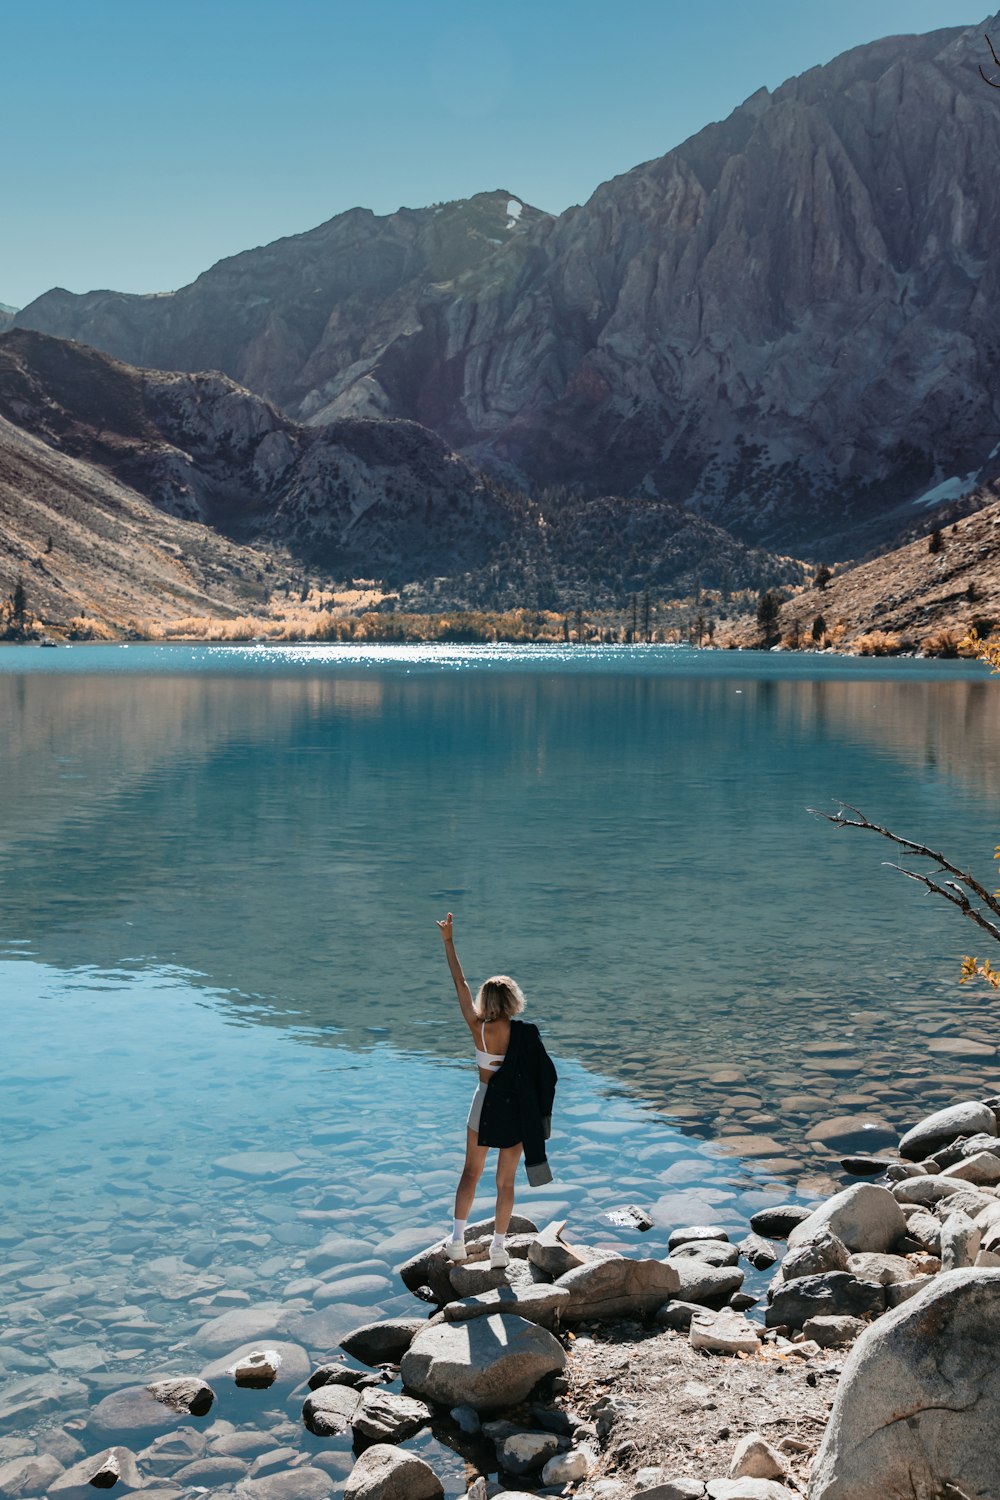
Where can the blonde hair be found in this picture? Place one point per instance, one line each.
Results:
(499, 998)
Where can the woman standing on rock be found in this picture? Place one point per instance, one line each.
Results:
(511, 1108)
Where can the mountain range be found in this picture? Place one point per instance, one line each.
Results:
(783, 324)
(89, 444)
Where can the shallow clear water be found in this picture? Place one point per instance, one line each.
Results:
(221, 869)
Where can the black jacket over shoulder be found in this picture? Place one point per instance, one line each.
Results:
(518, 1103)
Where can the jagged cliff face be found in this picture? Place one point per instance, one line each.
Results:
(354, 496)
(784, 323)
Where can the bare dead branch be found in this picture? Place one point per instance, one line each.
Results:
(952, 892)
(921, 851)
(996, 60)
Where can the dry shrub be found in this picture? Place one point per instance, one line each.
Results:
(941, 643)
(83, 628)
(879, 643)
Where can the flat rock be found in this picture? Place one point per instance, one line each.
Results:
(258, 1164)
(677, 1315)
(724, 1332)
(865, 1217)
(540, 1302)
(960, 1046)
(777, 1223)
(750, 1489)
(387, 1473)
(329, 1410)
(479, 1276)
(709, 1252)
(933, 1359)
(983, 1169)
(21, 1401)
(830, 1294)
(946, 1125)
(31, 1474)
(527, 1452)
(384, 1416)
(383, 1342)
(133, 1410)
(618, 1288)
(885, 1269)
(304, 1483)
(831, 1332)
(694, 1232)
(488, 1363)
(263, 1323)
(822, 1251)
(855, 1133)
(295, 1363)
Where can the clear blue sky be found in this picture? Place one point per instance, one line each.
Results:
(144, 141)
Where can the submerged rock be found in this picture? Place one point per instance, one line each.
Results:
(115, 1468)
(31, 1474)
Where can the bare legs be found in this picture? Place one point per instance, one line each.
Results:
(475, 1162)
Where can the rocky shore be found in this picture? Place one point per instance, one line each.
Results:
(842, 1350)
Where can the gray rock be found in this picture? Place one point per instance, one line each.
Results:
(466, 1417)
(133, 1410)
(945, 1126)
(294, 1367)
(699, 1282)
(618, 1288)
(865, 1217)
(488, 1363)
(885, 1269)
(754, 1458)
(474, 1278)
(329, 1410)
(211, 1471)
(694, 1232)
(677, 1315)
(673, 1489)
(724, 1332)
(258, 1165)
(833, 1293)
(758, 1251)
(21, 1401)
(429, 1268)
(187, 1394)
(551, 1254)
(527, 1452)
(982, 1169)
(902, 1291)
(960, 1241)
(304, 1483)
(933, 1359)
(832, 1332)
(114, 1468)
(566, 1468)
(241, 1325)
(926, 1230)
(386, 1473)
(823, 1251)
(709, 1252)
(335, 1374)
(386, 1417)
(32, 1474)
(777, 1223)
(749, 1489)
(924, 1191)
(541, 1302)
(384, 1342)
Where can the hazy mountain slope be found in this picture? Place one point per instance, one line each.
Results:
(785, 322)
(312, 310)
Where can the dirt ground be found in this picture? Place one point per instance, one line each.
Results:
(685, 1410)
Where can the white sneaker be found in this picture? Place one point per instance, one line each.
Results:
(455, 1250)
(499, 1259)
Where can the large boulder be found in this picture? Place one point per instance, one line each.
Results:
(865, 1217)
(918, 1406)
(426, 1273)
(823, 1251)
(387, 1473)
(328, 1411)
(538, 1303)
(386, 1417)
(487, 1363)
(700, 1281)
(618, 1288)
(946, 1125)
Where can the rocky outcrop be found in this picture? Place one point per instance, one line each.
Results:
(783, 322)
(917, 1407)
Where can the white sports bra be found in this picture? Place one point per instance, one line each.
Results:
(488, 1060)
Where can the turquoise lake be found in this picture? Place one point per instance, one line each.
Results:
(221, 868)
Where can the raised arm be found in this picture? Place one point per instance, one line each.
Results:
(461, 984)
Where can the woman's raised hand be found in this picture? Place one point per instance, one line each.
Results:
(445, 928)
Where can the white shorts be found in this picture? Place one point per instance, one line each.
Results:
(476, 1108)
